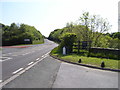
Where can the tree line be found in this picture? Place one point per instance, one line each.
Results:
(90, 28)
(16, 34)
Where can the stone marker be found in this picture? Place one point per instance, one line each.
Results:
(64, 51)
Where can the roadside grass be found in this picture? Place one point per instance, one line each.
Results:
(109, 63)
(38, 42)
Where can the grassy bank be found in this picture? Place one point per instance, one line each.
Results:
(38, 42)
(109, 63)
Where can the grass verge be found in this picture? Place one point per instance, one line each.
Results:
(109, 63)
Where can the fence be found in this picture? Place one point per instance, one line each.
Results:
(82, 45)
(95, 51)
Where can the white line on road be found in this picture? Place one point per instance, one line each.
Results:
(6, 54)
(25, 53)
(0, 81)
(9, 53)
(17, 71)
(20, 71)
(30, 63)
(42, 55)
(37, 59)
(3, 54)
(45, 54)
(7, 58)
(14, 55)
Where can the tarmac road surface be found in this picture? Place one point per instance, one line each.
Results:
(14, 59)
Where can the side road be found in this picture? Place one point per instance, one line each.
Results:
(51, 73)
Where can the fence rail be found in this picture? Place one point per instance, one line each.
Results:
(103, 52)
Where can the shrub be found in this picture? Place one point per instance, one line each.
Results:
(67, 41)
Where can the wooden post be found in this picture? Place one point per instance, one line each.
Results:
(78, 47)
(89, 48)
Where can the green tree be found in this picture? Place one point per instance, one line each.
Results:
(67, 41)
(14, 34)
(95, 26)
(115, 35)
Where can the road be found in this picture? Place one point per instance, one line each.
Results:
(74, 76)
(52, 73)
(15, 59)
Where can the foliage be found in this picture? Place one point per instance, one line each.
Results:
(113, 40)
(55, 35)
(96, 24)
(90, 28)
(14, 35)
(67, 41)
(115, 35)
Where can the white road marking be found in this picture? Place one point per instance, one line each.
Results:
(3, 54)
(0, 81)
(25, 53)
(7, 58)
(17, 71)
(9, 53)
(30, 63)
(14, 55)
(6, 54)
(37, 59)
(42, 55)
(45, 54)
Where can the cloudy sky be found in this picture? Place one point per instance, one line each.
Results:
(48, 15)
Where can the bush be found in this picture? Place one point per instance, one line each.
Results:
(67, 41)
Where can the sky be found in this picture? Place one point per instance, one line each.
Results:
(119, 16)
(48, 15)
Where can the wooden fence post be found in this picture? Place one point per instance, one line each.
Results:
(78, 47)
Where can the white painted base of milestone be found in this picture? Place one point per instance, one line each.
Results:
(64, 51)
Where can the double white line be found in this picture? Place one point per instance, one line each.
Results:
(45, 54)
(22, 70)
(30, 63)
(17, 71)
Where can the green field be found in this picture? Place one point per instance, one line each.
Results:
(109, 63)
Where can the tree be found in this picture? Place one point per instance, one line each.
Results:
(67, 41)
(115, 35)
(95, 26)
(14, 34)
